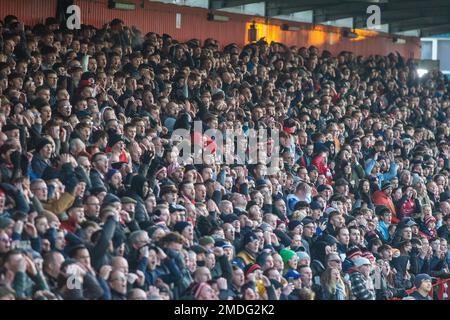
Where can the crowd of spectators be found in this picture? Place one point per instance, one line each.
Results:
(95, 205)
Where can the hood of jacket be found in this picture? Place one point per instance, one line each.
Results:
(137, 185)
(400, 263)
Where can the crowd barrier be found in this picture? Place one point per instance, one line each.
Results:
(441, 288)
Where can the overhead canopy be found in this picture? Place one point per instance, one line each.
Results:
(429, 17)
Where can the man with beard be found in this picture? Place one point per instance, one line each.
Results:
(175, 172)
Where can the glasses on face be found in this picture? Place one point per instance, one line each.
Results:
(94, 204)
(5, 240)
(40, 189)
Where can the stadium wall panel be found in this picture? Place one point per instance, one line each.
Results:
(161, 18)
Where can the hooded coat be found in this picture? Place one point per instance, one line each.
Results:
(318, 260)
(137, 193)
(400, 264)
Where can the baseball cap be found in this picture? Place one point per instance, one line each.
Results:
(176, 207)
(294, 274)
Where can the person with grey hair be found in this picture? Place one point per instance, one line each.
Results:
(138, 238)
(76, 146)
(138, 244)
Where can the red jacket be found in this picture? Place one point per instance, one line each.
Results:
(69, 225)
(122, 157)
(408, 208)
(379, 198)
(322, 168)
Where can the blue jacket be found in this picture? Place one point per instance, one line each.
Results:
(38, 165)
(383, 228)
(382, 176)
(291, 201)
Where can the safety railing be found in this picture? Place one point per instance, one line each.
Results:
(441, 288)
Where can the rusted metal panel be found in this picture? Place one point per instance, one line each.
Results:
(29, 11)
(161, 18)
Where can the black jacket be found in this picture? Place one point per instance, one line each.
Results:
(97, 180)
(99, 252)
(117, 296)
(137, 193)
(400, 263)
(444, 232)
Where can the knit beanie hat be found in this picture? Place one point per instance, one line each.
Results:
(429, 220)
(303, 255)
(180, 226)
(293, 224)
(287, 255)
(41, 144)
(5, 222)
(204, 241)
(249, 237)
(110, 174)
(420, 278)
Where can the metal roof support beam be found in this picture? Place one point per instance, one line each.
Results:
(418, 23)
(274, 8)
(431, 31)
(339, 12)
(329, 6)
(220, 4)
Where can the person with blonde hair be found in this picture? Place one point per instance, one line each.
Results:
(333, 287)
(422, 194)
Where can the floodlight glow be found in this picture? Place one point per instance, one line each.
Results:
(422, 72)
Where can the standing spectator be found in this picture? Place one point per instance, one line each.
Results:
(361, 282)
